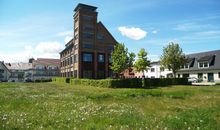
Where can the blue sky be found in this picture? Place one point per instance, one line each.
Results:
(40, 28)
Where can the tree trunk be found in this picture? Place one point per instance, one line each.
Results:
(174, 74)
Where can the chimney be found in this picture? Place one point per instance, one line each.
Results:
(31, 60)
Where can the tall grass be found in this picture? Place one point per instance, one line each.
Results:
(62, 106)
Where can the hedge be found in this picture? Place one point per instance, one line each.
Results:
(108, 83)
(124, 83)
(61, 80)
(164, 82)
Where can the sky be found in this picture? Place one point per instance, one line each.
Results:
(41, 28)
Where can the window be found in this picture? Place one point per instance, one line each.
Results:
(71, 60)
(200, 76)
(76, 46)
(87, 17)
(88, 35)
(87, 46)
(76, 36)
(100, 37)
(75, 73)
(88, 27)
(75, 58)
(101, 58)
(76, 29)
(76, 19)
(40, 67)
(111, 48)
(87, 57)
(152, 70)
(110, 59)
(203, 65)
(185, 75)
(1, 71)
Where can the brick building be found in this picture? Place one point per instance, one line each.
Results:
(87, 55)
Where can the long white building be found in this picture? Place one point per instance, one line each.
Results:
(204, 66)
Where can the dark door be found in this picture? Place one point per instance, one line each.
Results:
(210, 77)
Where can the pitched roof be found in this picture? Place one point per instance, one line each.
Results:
(2, 63)
(18, 66)
(213, 57)
(47, 61)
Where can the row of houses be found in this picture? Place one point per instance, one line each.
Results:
(38, 69)
(204, 66)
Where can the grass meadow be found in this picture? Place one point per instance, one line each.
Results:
(64, 106)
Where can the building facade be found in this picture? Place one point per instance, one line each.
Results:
(205, 66)
(87, 55)
(156, 71)
(44, 68)
(18, 71)
(39, 69)
(4, 72)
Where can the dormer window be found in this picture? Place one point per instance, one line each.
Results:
(203, 64)
(186, 66)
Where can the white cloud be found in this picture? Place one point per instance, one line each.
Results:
(68, 35)
(132, 33)
(41, 50)
(67, 39)
(48, 47)
(154, 32)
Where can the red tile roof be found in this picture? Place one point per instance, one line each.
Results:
(47, 61)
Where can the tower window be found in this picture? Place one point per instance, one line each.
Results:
(87, 57)
(101, 58)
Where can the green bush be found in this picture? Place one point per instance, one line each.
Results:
(60, 79)
(161, 82)
(108, 83)
(124, 83)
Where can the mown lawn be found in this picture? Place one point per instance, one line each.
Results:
(62, 106)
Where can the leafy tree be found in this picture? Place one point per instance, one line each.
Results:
(120, 59)
(131, 57)
(142, 62)
(173, 57)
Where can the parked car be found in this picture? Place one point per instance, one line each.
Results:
(192, 80)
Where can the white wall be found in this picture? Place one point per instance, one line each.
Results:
(157, 73)
(205, 74)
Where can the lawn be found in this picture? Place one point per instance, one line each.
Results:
(64, 106)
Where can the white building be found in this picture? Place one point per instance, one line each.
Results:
(204, 66)
(4, 72)
(18, 71)
(156, 71)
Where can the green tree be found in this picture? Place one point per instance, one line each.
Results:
(131, 59)
(173, 57)
(142, 62)
(120, 58)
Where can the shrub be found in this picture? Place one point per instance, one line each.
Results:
(161, 82)
(124, 83)
(60, 79)
(109, 83)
